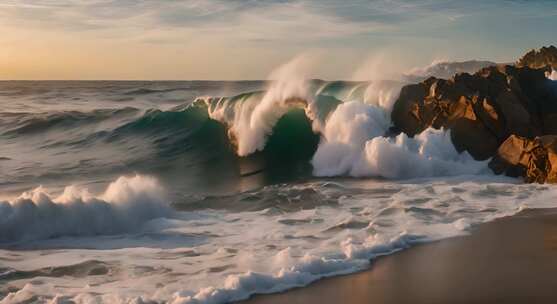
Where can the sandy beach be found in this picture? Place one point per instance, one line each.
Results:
(510, 260)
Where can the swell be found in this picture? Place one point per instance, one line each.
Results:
(21, 124)
(321, 128)
(186, 128)
(179, 124)
(182, 138)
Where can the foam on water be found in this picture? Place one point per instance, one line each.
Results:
(215, 256)
(125, 206)
(353, 144)
(352, 131)
(130, 244)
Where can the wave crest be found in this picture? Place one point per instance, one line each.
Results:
(125, 206)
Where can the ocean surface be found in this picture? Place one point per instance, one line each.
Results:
(209, 192)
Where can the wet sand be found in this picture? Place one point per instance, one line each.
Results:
(510, 260)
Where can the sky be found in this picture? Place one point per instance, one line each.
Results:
(247, 39)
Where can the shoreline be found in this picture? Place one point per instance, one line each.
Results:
(510, 260)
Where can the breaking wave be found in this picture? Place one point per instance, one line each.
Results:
(136, 243)
(125, 205)
(225, 259)
(340, 128)
(352, 120)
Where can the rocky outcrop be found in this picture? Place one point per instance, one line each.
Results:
(446, 69)
(486, 108)
(540, 59)
(534, 159)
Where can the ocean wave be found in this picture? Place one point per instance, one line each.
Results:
(142, 249)
(353, 122)
(290, 248)
(361, 150)
(339, 128)
(21, 124)
(125, 205)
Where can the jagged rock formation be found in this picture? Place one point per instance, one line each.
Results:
(539, 59)
(446, 70)
(534, 159)
(482, 110)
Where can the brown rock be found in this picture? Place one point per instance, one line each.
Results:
(406, 111)
(482, 109)
(534, 159)
(472, 136)
(546, 56)
(499, 111)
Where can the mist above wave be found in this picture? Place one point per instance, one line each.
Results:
(445, 69)
(353, 127)
(110, 140)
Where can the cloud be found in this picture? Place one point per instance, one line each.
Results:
(249, 20)
(255, 33)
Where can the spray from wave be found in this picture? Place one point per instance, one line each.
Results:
(306, 230)
(254, 116)
(428, 154)
(445, 69)
(331, 124)
(352, 119)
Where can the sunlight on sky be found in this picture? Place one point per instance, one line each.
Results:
(245, 39)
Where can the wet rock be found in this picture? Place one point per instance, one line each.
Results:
(485, 109)
(478, 109)
(534, 159)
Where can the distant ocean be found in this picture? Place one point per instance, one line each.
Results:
(209, 192)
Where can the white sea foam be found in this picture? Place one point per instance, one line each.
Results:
(353, 145)
(352, 135)
(428, 154)
(226, 259)
(345, 133)
(125, 206)
(215, 256)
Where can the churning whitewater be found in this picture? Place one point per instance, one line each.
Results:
(134, 192)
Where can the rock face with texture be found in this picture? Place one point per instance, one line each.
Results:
(534, 159)
(486, 108)
(542, 58)
(482, 109)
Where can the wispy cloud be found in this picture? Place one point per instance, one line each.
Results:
(252, 20)
(272, 26)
